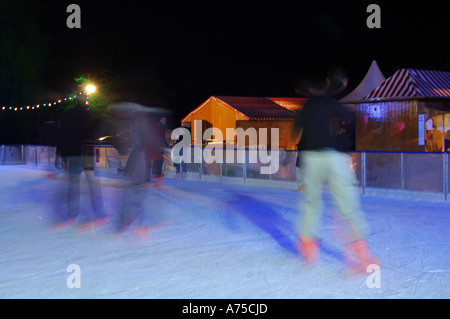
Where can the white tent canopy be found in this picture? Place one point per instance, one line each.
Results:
(371, 81)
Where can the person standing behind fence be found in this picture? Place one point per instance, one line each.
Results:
(180, 165)
(159, 161)
(323, 160)
(77, 126)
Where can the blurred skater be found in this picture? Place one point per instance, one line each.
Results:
(76, 126)
(323, 160)
(147, 142)
(149, 139)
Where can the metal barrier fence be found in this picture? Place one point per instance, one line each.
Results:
(12, 154)
(410, 174)
(403, 174)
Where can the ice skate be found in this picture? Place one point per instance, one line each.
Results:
(309, 248)
(158, 181)
(141, 232)
(358, 257)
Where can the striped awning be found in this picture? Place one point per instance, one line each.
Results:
(413, 83)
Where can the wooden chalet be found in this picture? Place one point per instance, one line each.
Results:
(409, 111)
(224, 112)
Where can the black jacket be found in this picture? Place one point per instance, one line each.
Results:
(76, 127)
(326, 124)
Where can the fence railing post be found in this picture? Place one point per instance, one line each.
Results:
(221, 163)
(402, 169)
(445, 177)
(200, 167)
(244, 168)
(363, 172)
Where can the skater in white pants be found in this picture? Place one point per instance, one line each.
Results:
(330, 167)
(326, 134)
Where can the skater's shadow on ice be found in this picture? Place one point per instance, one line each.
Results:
(269, 219)
(265, 217)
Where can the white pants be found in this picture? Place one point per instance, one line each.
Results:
(332, 168)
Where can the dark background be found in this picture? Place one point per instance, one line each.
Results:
(177, 54)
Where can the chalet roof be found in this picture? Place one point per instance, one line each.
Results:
(260, 108)
(257, 107)
(290, 103)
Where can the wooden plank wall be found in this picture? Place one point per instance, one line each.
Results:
(285, 127)
(217, 115)
(387, 126)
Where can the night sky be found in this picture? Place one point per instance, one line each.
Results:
(183, 52)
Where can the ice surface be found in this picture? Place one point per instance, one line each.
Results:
(223, 241)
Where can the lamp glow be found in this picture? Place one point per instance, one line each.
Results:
(90, 88)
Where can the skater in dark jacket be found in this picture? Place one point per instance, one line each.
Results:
(76, 127)
(326, 134)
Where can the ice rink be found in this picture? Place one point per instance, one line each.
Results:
(210, 241)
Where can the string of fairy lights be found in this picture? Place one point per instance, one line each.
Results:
(89, 89)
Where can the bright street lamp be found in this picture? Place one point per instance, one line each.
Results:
(90, 88)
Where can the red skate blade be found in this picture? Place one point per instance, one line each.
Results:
(94, 224)
(63, 224)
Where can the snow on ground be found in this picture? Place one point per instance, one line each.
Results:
(223, 241)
